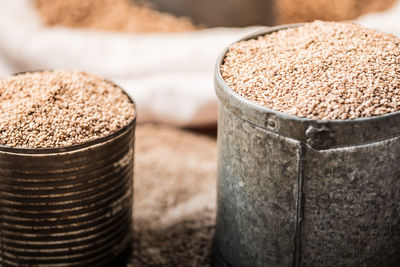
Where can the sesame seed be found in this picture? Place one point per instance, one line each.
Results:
(322, 70)
(54, 109)
(294, 11)
(110, 15)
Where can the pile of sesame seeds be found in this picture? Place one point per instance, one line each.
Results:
(294, 11)
(54, 109)
(323, 70)
(129, 16)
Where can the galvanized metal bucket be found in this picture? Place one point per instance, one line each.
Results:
(302, 192)
(214, 13)
(67, 206)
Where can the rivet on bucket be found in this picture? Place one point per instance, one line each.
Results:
(304, 192)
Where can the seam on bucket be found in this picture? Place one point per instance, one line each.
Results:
(300, 207)
(364, 145)
(370, 143)
(260, 127)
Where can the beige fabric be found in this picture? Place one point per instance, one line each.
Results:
(387, 21)
(170, 76)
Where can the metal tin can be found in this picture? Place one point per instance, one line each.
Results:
(214, 13)
(67, 206)
(302, 192)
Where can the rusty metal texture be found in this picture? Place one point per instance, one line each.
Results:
(215, 13)
(302, 192)
(67, 206)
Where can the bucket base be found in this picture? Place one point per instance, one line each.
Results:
(123, 258)
(218, 260)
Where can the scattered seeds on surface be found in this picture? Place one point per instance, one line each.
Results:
(175, 204)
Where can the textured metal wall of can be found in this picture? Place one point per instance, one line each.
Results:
(67, 206)
(301, 192)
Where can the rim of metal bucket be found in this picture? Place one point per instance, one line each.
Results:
(319, 134)
(39, 151)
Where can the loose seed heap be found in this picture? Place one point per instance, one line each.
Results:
(110, 15)
(323, 70)
(59, 108)
(174, 207)
(291, 11)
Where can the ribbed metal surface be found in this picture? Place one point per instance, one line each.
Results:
(68, 206)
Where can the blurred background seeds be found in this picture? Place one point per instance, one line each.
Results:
(110, 15)
(138, 16)
(294, 11)
(165, 63)
(175, 197)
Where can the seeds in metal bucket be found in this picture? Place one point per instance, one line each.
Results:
(53, 109)
(323, 70)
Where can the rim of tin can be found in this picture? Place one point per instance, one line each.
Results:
(319, 134)
(39, 151)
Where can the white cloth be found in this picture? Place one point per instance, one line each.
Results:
(170, 76)
(387, 21)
